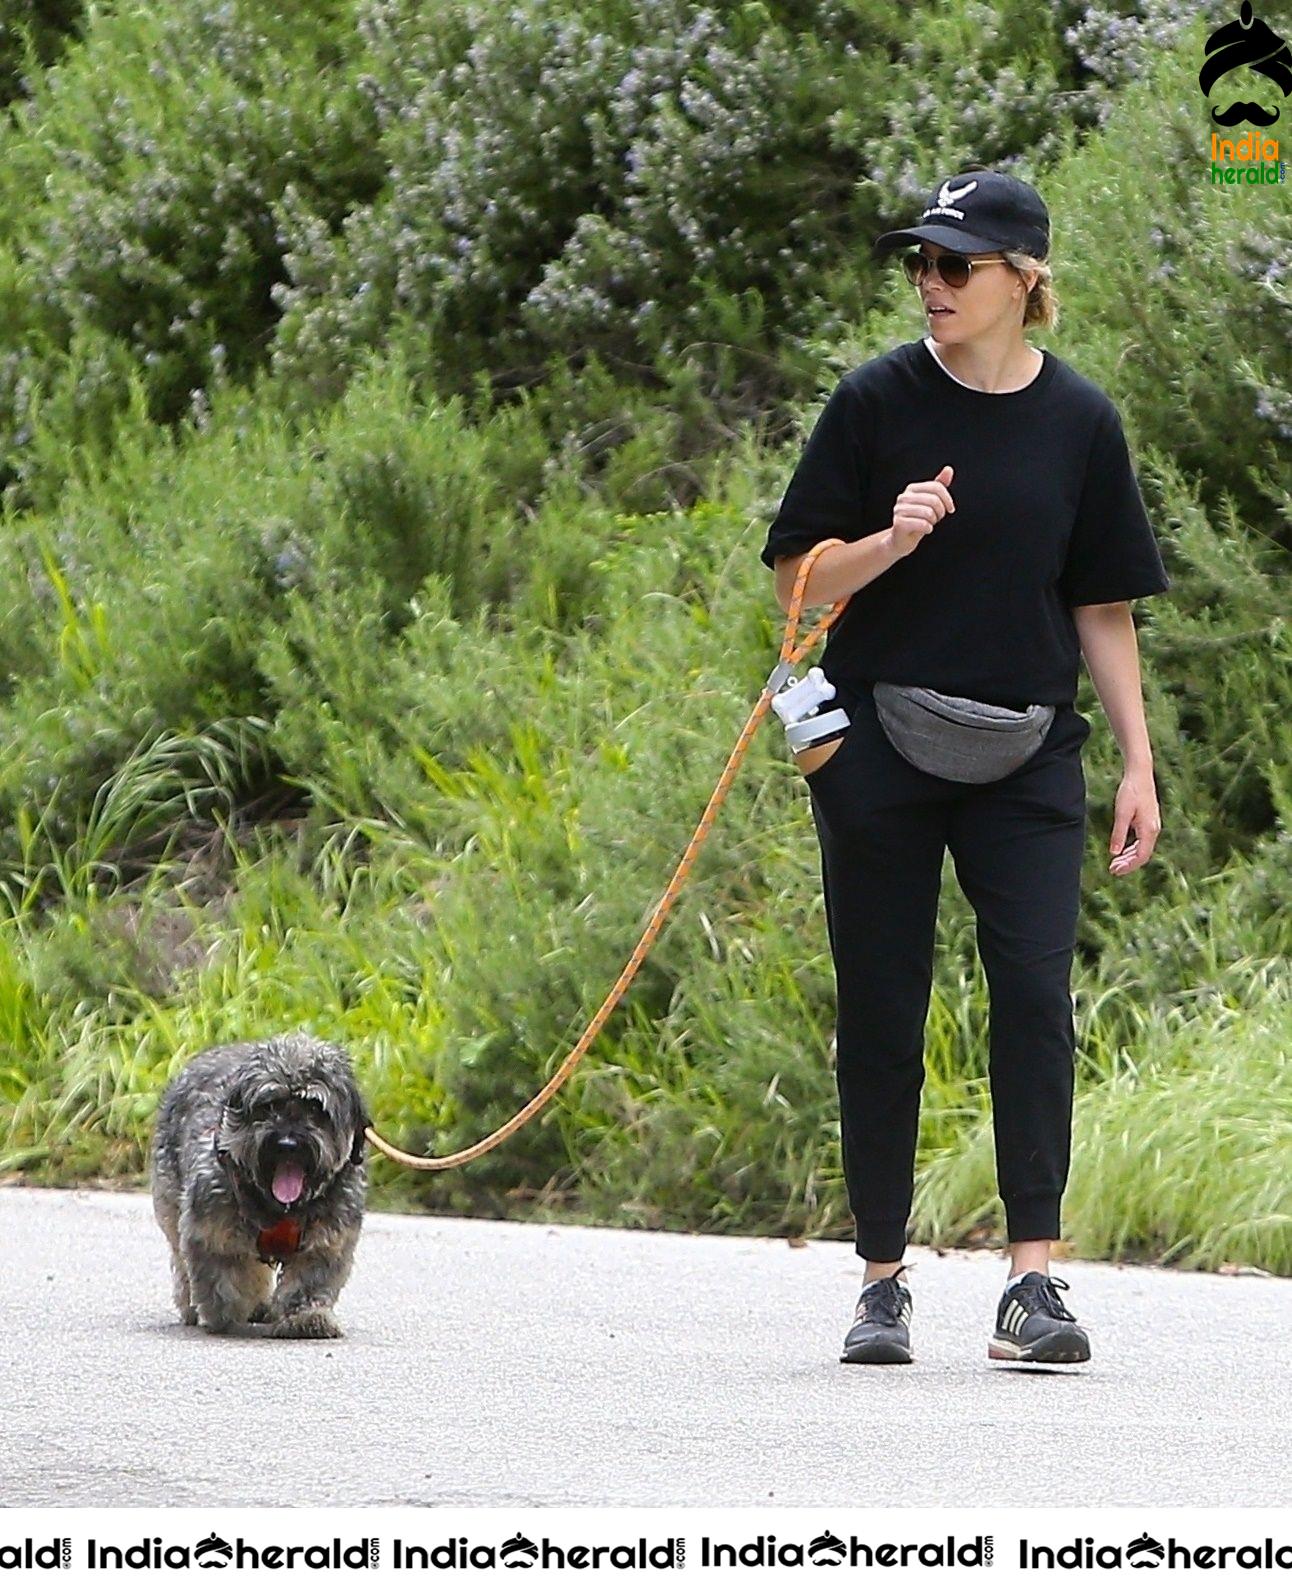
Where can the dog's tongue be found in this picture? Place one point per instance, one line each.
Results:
(289, 1181)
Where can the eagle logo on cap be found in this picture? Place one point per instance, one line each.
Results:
(951, 196)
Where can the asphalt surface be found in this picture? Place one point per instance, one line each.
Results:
(493, 1364)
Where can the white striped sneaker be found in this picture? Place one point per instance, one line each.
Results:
(1033, 1324)
(881, 1330)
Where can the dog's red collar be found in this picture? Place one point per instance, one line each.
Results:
(276, 1244)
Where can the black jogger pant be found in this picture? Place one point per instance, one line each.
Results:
(1017, 846)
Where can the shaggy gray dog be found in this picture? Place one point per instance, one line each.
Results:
(257, 1163)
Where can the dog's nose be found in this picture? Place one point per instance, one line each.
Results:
(286, 1144)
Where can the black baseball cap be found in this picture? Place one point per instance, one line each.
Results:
(979, 211)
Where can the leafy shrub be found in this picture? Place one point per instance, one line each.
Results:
(33, 33)
(159, 228)
(627, 178)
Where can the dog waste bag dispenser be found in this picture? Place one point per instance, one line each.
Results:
(798, 703)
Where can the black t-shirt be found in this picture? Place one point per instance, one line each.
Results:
(1048, 517)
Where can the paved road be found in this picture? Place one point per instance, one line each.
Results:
(512, 1364)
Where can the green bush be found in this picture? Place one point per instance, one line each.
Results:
(160, 231)
(33, 33)
(611, 177)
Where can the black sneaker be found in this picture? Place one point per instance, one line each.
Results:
(1033, 1324)
(880, 1331)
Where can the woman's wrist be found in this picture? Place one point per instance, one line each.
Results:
(1139, 763)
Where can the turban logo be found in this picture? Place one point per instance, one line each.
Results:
(1252, 43)
(1145, 1551)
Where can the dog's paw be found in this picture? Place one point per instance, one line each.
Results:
(311, 1322)
(188, 1316)
(259, 1313)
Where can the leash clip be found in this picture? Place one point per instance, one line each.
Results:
(782, 672)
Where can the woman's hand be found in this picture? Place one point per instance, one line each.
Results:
(918, 509)
(1135, 810)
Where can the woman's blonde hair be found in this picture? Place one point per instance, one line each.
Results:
(1042, 308)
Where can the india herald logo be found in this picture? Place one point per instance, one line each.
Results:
(948, 198)
(1249, 43)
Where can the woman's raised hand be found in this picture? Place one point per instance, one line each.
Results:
(918, 509)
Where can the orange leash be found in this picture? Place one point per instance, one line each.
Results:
(790, 655)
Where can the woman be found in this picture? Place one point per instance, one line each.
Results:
(995, 532)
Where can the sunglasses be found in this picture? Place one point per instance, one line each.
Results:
(955, 270)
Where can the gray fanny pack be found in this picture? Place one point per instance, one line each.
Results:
(957, 738)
